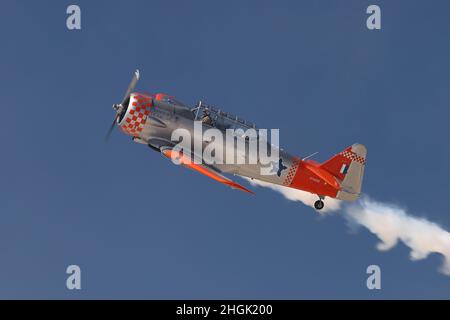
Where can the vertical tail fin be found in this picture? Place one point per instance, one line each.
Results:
(348, 167)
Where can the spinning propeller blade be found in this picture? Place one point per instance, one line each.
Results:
(121, 108)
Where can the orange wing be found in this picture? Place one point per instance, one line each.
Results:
(209, 172)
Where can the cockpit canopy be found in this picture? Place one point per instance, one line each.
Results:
(220, 119)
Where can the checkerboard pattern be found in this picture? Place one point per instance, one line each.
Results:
(353, 156)
(291, 172)
(138, 110)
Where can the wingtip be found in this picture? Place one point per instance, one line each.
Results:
(235, 185)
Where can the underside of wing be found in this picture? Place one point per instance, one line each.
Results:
(203, 169)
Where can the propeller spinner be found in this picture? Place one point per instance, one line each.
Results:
(121, 107)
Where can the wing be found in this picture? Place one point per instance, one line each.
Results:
(203, 169)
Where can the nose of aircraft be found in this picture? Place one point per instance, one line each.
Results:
(119, 108)
(135, 116)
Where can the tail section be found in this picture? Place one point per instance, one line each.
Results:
(348, 167)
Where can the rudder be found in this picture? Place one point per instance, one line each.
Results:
(348, 167)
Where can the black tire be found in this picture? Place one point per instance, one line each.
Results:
(319, 205)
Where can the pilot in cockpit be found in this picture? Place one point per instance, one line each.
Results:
(206, 118)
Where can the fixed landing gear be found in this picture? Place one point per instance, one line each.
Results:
(319, 203)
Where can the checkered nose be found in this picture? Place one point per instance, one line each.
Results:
(138, 108)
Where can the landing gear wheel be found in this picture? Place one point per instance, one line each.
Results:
(319, 205)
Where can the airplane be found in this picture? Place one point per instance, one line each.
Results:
(150, 119)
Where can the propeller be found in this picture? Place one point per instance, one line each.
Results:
(120, 108)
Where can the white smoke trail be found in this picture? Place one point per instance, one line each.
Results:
(299, 195)
(388, 222)
(392, 224)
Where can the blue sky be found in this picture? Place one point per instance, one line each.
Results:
(140, 227)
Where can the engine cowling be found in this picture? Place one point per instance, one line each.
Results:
(134, 118)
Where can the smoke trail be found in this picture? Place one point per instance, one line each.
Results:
(392, 224)
(388, 222)
(299, 195)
